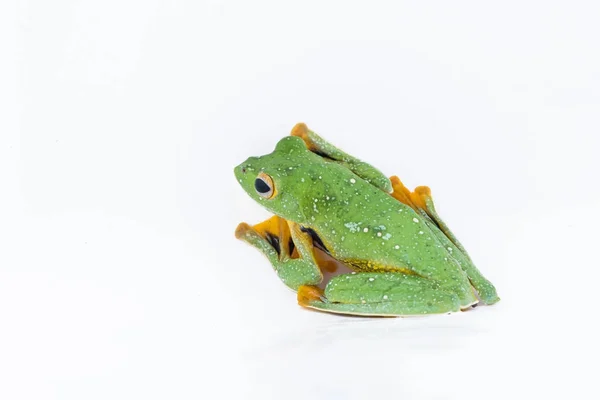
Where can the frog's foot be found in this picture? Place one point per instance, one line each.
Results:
(421, 201)
(380, 294)
(308, 294)
(274, 230)
(289, 249)
(319, 146)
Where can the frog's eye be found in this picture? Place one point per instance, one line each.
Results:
(264, 185)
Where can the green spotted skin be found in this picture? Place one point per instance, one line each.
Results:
(387, 294)
(405, 264)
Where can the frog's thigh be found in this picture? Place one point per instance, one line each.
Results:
(380, 294)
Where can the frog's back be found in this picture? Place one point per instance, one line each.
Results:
(369, 229)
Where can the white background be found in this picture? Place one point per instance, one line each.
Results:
(121, 122)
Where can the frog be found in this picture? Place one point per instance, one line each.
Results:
(330, 207)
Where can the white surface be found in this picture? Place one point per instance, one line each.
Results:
(120, 277)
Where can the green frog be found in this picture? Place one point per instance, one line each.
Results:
(330, 206)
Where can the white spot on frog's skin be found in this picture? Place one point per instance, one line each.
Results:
(363, 301)
(353, 273)
(420, 232)
(316, 200)
(333, 232)
(387, 236)
(301, 179)
(415, 220)
(379, 234)
(352, 180)
(366, 230)
(450, 249)
(291, 168)
(371, 279)
(320, 177)
(396, 247)
(353, 226)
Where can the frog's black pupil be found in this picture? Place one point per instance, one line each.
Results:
(261, 186)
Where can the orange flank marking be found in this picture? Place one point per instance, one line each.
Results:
(370, 266)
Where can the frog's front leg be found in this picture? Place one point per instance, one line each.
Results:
(380, 294)
(320, 146)
(292, 255)
(289, 250)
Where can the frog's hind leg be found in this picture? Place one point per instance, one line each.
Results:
(422, 202)
(320, 146)
(380, 294)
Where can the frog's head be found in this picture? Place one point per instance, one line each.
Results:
(272, 179)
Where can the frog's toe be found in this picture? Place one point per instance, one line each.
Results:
(241, 230)
(300, 130)
(401, 192)
(418, 199)
(487, 292)
(308, 295)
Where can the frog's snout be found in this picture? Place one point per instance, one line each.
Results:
(239, 171)
(243, 171)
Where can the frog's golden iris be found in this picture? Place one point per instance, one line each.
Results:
(264, 186)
